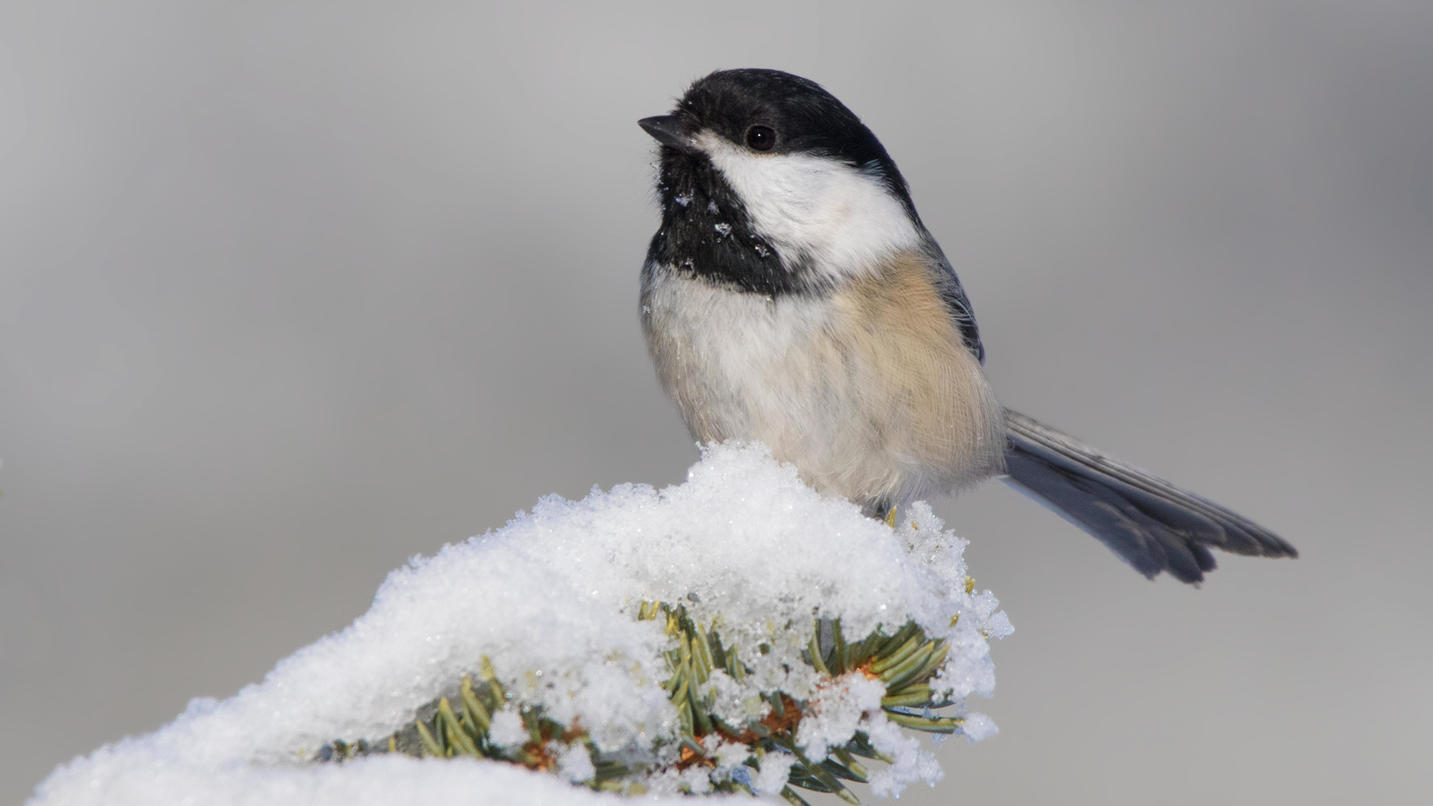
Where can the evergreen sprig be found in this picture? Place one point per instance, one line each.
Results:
(904, 662)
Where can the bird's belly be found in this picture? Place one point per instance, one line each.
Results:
(863, 406)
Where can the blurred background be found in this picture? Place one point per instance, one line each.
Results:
(292, 291)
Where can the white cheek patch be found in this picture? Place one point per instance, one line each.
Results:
(840, 217)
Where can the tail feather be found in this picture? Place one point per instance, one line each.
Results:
(1150, 523)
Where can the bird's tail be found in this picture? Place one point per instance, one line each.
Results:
(1150, 523)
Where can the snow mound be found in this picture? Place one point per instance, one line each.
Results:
(552, 600)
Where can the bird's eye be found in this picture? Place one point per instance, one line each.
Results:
(760, 138)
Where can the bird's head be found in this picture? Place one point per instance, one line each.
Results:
(767, 181)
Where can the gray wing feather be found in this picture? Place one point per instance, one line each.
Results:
(952, 293)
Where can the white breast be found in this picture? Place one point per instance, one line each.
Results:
(863, 406)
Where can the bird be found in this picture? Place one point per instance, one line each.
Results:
(792, 296)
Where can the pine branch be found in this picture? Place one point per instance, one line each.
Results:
(904, 661)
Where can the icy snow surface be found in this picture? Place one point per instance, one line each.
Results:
(551, 598)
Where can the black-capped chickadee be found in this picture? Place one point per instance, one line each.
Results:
(793, 296)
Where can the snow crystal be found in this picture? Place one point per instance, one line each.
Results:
(730, 757)
(836, 711)
(775, 769)
(978, 726)
(551, 599)
(507, 729)
(673, 781)
(734, 703)
(912, 763)
(723, 229)
(573, 762)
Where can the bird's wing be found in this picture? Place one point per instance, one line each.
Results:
(952, 293)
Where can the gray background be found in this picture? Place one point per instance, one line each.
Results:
(292, 291)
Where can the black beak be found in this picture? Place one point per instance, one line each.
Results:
(667, 129)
